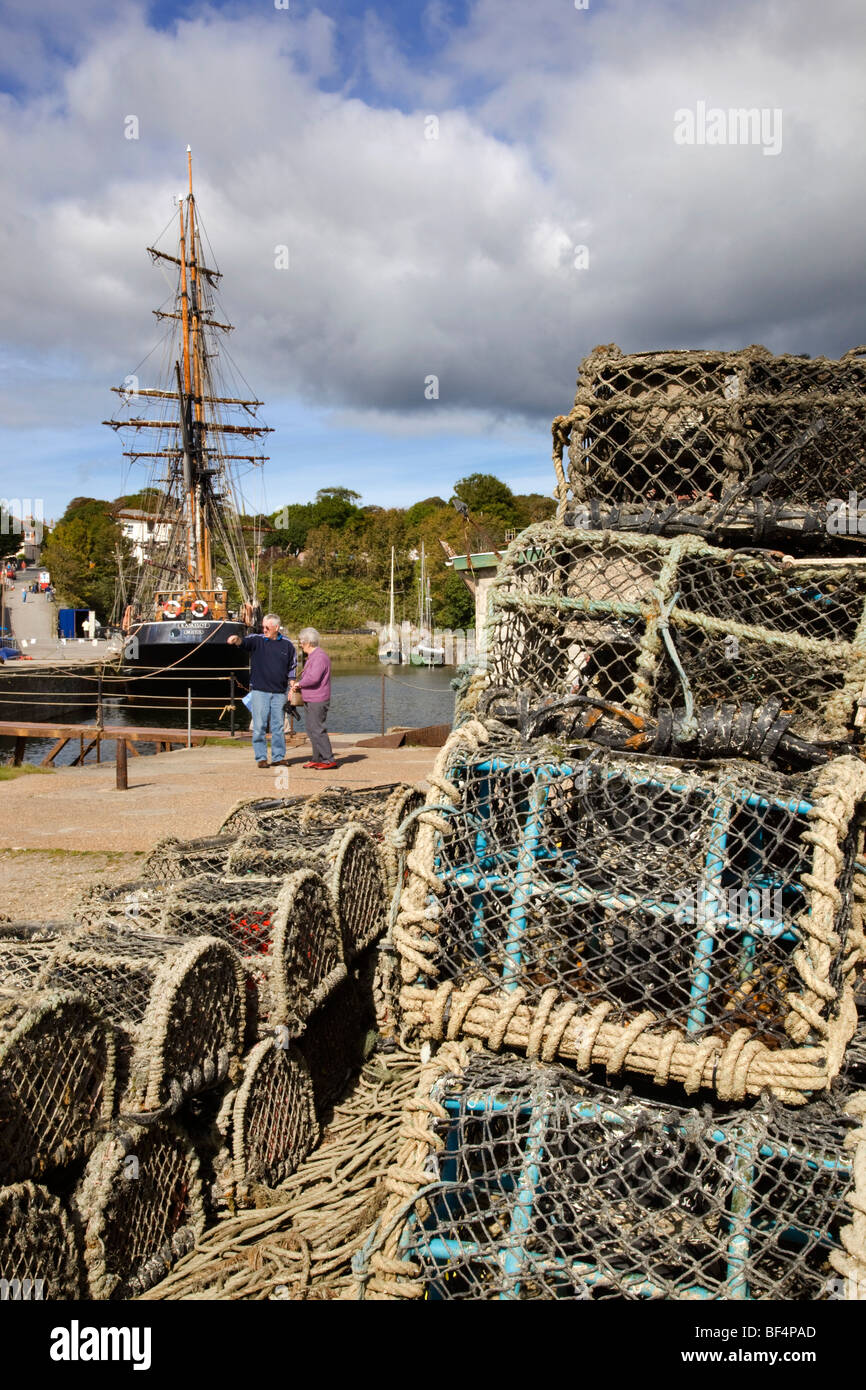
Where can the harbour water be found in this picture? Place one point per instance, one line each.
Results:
(414, 695)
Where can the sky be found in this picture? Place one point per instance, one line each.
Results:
(479, 191)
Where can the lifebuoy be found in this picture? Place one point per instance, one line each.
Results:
(171, 608)
(200, 609)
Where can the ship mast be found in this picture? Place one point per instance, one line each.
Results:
(201, 508)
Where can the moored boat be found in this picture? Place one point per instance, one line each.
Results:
(177, 611)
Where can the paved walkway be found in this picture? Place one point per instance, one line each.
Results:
(186, 793)
(34, 623)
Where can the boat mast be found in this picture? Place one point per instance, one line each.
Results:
(189, 461)
(202, 535)
(391, 616)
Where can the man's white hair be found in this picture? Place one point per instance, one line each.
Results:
(310, 635)
(272, 618)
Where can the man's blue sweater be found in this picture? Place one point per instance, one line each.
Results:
(272, 662)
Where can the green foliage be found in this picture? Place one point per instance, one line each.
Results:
(488, 499)
(534, 506)
(344, 580)
(456, 605)
(151, 499)
(81, 554)
(342, 494)
(330, 604)
(420, 510)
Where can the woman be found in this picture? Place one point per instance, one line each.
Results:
(315, 686)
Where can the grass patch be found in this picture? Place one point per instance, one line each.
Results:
(25, 770)
(351, 648)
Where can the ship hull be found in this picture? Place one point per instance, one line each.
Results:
(169, 659)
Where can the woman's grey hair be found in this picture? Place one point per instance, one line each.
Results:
(272, 618)
(309, 634)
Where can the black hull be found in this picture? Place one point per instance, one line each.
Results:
(167, 659)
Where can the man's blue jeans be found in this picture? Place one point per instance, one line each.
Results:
(268, 709)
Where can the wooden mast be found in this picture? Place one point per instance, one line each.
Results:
(187, 387)
(203, 549)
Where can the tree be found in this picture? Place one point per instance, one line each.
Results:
(488, 499)
(419, 510)
(533, 506)
(343, 494)
(81, 553)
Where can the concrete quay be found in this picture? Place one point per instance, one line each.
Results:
(186, 793)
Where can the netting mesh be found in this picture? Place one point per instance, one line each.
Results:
(741, 441)
(650, 625)
(347, 858)
(696, 922)
(57, 1079)
(532, 1182)
(171, 859)
(251, 813)
(285, 932)
(178, 1005)
(39, 1255)
(141, 1206)
(268, 1122)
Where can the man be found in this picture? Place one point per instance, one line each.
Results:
(273, 663)
(315, 686)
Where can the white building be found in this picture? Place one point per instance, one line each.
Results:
(144, 531)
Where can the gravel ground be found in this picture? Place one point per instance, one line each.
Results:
(39, 885)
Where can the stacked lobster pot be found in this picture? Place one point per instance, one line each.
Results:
(633, 916)
(173, 1049)
(296, 889)
(103, 1035)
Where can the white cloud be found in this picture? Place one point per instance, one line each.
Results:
(412, 256)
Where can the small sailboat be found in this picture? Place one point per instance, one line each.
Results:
(389, 637)
(424, 653)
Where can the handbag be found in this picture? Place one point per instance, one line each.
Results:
(295, 698)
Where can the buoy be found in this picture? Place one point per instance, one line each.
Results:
(200, 609)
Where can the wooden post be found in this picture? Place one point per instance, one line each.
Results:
(121, 785)
(189, 716)
(18, 755)
(232, 703)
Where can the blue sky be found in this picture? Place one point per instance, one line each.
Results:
(409, 255)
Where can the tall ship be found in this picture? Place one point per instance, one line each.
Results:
(191, 583)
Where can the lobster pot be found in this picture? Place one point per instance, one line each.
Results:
(129, 907)
(268, 1123)
(254, 813)
(691, 430)
(553, 1187)
(609, 616)
(333, 1043)
(57, 1079)
(399, 833)
(171, 859)
(178, 1005)
(285, 932)
(39, 1254)
(348, 859)
(141, 1207)
(697, 923)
